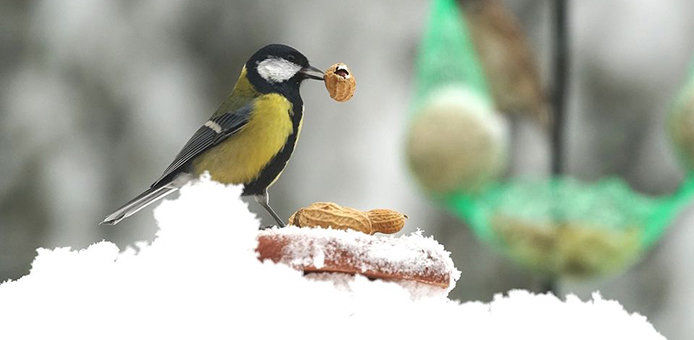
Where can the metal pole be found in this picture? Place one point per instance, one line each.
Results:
(559, 85)
(560, 75)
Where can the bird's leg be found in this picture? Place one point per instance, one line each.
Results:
(264, 202)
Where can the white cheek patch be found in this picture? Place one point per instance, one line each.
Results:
(277, 70)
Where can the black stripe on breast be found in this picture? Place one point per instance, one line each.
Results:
(277, 164)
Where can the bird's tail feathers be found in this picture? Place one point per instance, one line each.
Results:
(140, 202)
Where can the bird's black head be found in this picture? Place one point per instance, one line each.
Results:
(279, 68)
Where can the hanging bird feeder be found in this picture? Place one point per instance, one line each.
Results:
(558, 227)
(456, 141)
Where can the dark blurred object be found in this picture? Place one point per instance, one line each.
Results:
(505, 55)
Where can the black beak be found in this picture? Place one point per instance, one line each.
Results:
(312, 73)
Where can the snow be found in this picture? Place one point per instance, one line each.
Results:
(200, 279)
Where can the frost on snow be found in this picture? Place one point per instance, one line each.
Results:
(200, 279)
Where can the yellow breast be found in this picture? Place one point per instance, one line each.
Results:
(240, 158)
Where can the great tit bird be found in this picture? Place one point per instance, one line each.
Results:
(250, 137)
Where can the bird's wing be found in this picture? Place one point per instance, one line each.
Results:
(208, 135)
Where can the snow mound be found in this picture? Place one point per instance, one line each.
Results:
(200, 279)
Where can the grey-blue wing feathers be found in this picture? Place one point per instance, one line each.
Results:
(214, 131)
(210, 134)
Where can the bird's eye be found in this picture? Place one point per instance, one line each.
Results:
(291, 58)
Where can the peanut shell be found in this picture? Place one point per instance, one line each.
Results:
(340, 82)
(386, 221)
(327, 214)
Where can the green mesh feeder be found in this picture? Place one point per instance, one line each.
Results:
(559, 227)
(563, 227)
(456, 142)
(447, 56)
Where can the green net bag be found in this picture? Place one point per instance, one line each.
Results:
(455, 142)
(447, 56)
